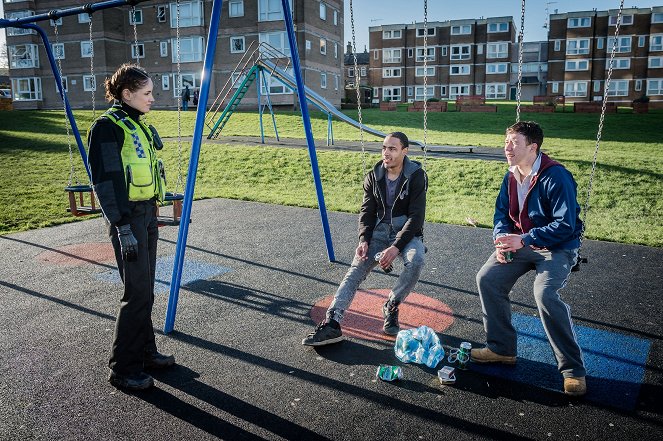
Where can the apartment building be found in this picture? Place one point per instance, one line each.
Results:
(580, 44)
(463, 57)
(350, 77)
(534, 70)
(91, 48)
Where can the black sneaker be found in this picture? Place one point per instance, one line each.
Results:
(157, 361)
(325, 333)
(390, 314)
(139, 381)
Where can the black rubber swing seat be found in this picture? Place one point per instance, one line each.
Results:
(174, 199)
(77, 205)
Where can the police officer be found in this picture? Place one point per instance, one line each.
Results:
(128, 180)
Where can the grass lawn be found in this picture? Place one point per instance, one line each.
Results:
(625, 205)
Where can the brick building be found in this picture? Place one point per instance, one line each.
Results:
(579, 47)
(244, 24)
(350, 76)
(464, 57)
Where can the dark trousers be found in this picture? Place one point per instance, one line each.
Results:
(134, 334)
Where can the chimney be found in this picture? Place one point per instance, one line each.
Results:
(349, 48)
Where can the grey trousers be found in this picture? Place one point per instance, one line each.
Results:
(413, 262)
(553, 268)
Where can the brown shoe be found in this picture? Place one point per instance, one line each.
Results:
(485, 355)
(575, 386)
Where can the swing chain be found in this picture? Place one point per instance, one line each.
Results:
(72, 169)
(425, 146)
(521, 36)
(606, 89)
(93, 89)
(357, 81)
(135, 48)
(178, 184)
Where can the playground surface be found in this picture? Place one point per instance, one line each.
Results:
(255, 275)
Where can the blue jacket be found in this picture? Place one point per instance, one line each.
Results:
(551, 217)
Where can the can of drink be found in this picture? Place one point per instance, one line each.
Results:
(464, 354)
(508, 256)
(377, 258)
(386, 372)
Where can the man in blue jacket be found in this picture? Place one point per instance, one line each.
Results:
(391, 223)
(536, 226)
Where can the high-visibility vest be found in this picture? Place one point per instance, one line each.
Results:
(142, 169)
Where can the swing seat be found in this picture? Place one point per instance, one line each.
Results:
(174, 199)
(77, 205)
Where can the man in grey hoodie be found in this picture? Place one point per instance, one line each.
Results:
(391, 224)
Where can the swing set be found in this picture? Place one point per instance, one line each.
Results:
(183, 202)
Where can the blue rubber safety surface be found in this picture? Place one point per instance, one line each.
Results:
(192, 271)
(615, 363)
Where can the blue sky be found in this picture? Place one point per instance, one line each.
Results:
(407, 11)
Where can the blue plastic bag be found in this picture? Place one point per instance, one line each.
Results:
(420, 345)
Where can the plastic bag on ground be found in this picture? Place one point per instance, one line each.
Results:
(420, 345)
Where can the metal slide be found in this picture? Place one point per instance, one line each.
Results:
(322, 103)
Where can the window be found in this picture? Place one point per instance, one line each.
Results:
(65, 85)
(410, 91)
(271, 10)
(461, 30)
(460, 52)
(657, 18)
(575, 88)
(459, 69)
(26, 89)
(390, 35)
(335, 82)
(84, 17)
(618, 88)
(497, 50)
(23, 56)
(597, 85)
(138, 50)
(89, 83)
(391, 72)
(655, 62)
(237, 79)
(376, 54)
(654, 87)
(236, 8)
(419, 93)
(191, 49)
(391, 93)
(161, 13)
(444, 50)
(362, 71)
(443, 90)
(495, 91)
(579, 22)
(274, 85)
(188, 79)
(323, 11)
(558, 45)
(58, 51)
(410, 53)
(429, 55)
(308, 45)
(430, 32)
(656, 42)
(554, 87)
(498, 27)
(391, 55)
(135, 16)
(336, 24)
(456, 90)
(165, 82)
(323, 46)
(351, 72)
(496, 68)
(619, 63)
(572, 65)
(638, 85)
(641, 41)
(19, 31)
(626, 20)
(600, 42)
(191, 14)
(480, 48)
(429, 71)
(323, 80)
(237, 45)
(278, 40)
(623, 43)
(577, 46)
(163, 48)
(87, 49)
(57, 22)
(478, 89)
(335, 50)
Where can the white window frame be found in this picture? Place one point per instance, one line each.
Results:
(501, 26)
(192, 54)
(281, 45)
(271, 10)
(460, 69)
(362, 71)
(480, 48)
(191, 79)
(429, 30)
(596, 86)
(335, 50)
(579, 22)
(443, 91)
(165, 82)
(23, 56)
(376, 54)
(58, 51)
(391, 72)
(657, 17)
(65, 84)
(235, 8)
(308, 45)
(444, 50)
(276, 87)
(622, 45)
(138, 15)
(419, 92)
(429, 56)
(323, 46)
(161, 13)
(419, 71)
(641, 41)
(638, 85)
(575, 88)
(558, 45)
(461, 30)
(462, 53)
(87, 49)
(391, 95)
(497, 50)
(19, 31)
(456, 90)
(89, 83)
(31, 93)
(655, 62)
(600, 43)
(234, 50)
(323, 80)
(84, 17)
(137, 50)
(478, 89)
(336, 24)
(336, 82)
(392, 34)
(618, 63)
(496, 68)
(323, 11)
(656, 42)
(577, 46)
(626, 20)
(618, 88)
(655, 86)
(410, 91)
(191, 14)
(351, 72)
(554, 87)
(580, 64)
(163, 48)
(410, 52)
(389, 55)
(496, 91)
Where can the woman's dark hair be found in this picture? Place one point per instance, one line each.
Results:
(128, 76)
(401, 137)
